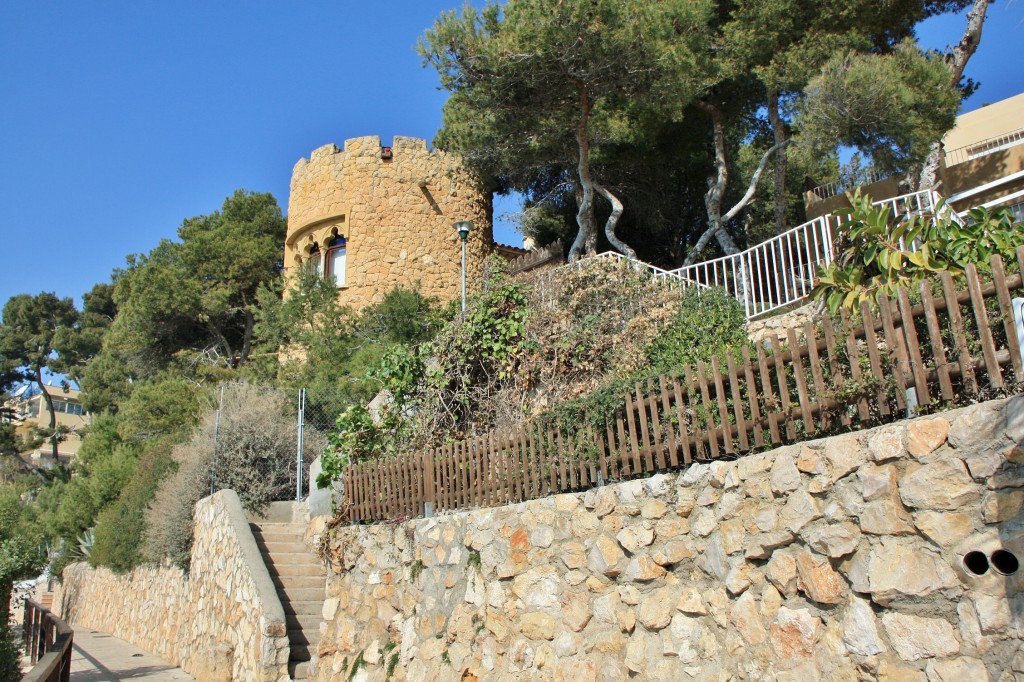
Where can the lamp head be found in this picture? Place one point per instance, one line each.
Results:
(463, 227)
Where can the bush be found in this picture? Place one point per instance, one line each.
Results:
(255, 457)
(10, 654)
(708, 323)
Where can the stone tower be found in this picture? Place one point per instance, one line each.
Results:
(373, 218)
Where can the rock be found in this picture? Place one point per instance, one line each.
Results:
(810, 462)
(997, 507)
(794, 633)
(970, 628)
(643, 569)
(785, 476)
(739, 578)
(704, 523)
(753, 465)
(724, 474)
(925, 435)
(877, 481)
(713, 561)
(1013, 419)
(573, 555)
(330, 608)
(604, 556)
(537, 625)
(860, 629)
(542, 537)
(833, 541)
(944, 485)
(635, 537)
(800, 509)
(606, 606)
(690, 602)
(886, 444)
(538, 588)
(732, 535)
(762, 545)
(805, 672)
(656, 608)
(817, 579)
(747, 620)
(914, 637)
(605, 501)
(653, 509)
(885, 517)
(945, 529)
(843, 454)
(993, 612)
(898, 569)
(961, 669)
(771, 601)
(576, 612)
(672, 552)
(782, 572)
(983, 464)
(889, 671)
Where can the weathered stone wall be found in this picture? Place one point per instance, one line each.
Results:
(779, 325)
(839, 559)
(223, 621)
(397, 216)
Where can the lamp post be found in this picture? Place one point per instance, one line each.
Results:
(463, 227)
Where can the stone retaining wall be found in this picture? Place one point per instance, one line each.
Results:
(838, 559)
(223, 621)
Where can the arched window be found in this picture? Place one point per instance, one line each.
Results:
(314, 260)
(335, 261)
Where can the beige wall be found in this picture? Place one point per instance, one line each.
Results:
(987, 122)
(396, 215)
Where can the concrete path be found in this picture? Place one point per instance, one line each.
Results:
(99, 657)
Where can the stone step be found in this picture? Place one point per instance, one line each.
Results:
(263, 536)
(297, 570)
(294, 558)
(288, 582)
(282, 547)
(302, 638)
(308, 624)
(301, 652)
(298, 670)
(302, 608)
(303, 594)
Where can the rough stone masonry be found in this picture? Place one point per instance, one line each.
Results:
(837, 559)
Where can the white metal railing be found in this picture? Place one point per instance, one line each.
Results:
(771, 275)
(976, 150)
(784, 269)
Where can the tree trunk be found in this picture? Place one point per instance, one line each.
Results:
(957, 61)
(586, 239)
(717, 229)
(779, 130)
(613, 220)
(53, 415)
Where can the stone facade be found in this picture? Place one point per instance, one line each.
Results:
(396, 216)
(837, 559)
(223, 621)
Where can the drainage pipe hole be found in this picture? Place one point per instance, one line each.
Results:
(976, 562)
(1004, 563)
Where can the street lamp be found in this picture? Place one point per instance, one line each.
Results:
(463, 227)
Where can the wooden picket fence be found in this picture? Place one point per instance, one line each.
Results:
(833, 376)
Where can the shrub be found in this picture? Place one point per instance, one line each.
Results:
(10, 654)
(708, 323)
(255, 457)
(877, 258)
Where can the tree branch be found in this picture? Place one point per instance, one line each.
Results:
(613, 220)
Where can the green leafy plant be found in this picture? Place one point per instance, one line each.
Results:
(883, 253)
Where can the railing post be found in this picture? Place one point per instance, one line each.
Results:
(1018, 318)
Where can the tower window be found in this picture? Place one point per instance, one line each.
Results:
(335, 260)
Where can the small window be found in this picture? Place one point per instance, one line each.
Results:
(336, 260)
(314, 260)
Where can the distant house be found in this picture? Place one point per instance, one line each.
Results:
(29, 411)
(982, 164)
(371, 217)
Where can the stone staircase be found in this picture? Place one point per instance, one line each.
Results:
(299, 576)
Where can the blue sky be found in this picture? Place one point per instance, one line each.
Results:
(119, 119)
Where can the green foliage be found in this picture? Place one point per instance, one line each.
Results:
(10, 654)
(164, 405)
(119, 533)
(891, 107)
(878, 258)
(708, 323)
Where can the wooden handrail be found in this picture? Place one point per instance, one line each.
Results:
(48, 642)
